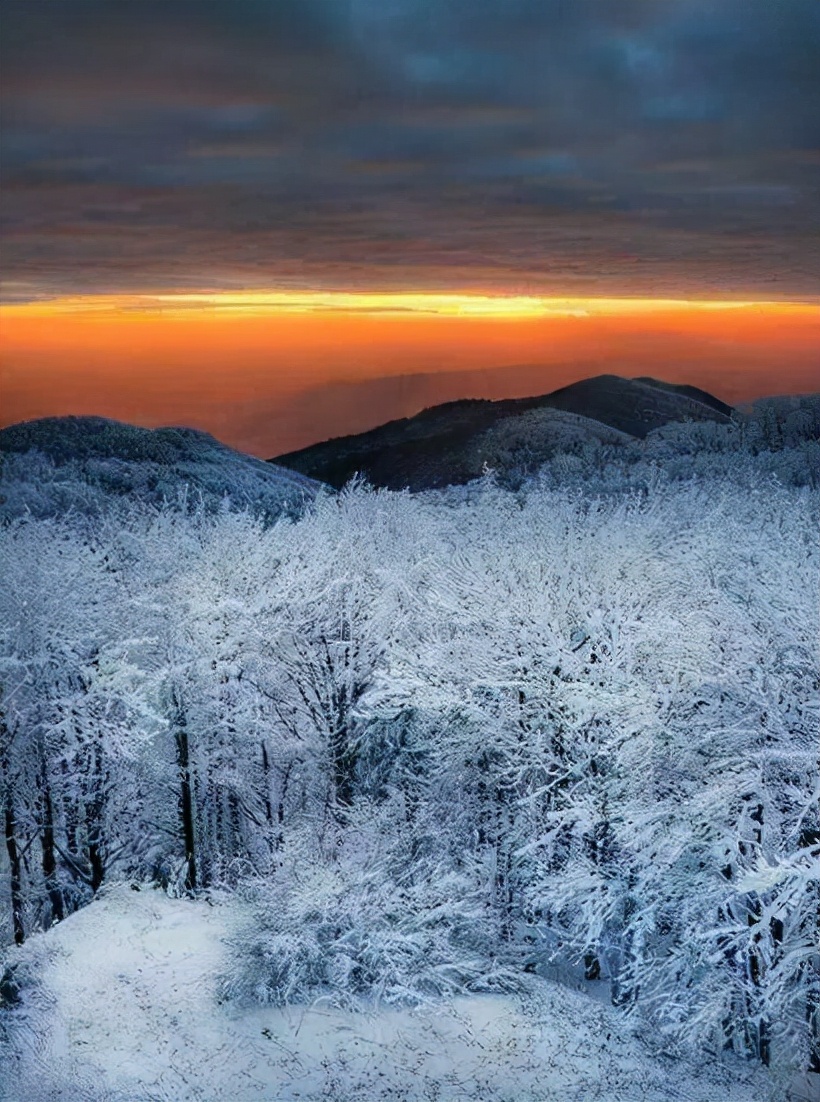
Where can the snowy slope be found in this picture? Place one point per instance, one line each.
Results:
(126, 1009)
(85, 464)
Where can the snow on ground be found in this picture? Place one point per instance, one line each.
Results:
(125, 1009)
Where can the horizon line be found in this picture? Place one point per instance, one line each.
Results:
(449, 304)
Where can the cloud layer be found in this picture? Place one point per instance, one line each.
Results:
(564, 146)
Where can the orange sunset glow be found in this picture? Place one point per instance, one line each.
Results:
(271, 371)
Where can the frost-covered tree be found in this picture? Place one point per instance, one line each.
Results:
(72, 708)
(439, 741)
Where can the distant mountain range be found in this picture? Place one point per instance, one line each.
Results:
(455, 442)
(58, 463)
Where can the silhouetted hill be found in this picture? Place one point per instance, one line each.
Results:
(454, 442)
(57, 463)
(693, 392)
(636, 406)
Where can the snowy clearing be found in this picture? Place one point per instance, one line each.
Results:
(125, 1009)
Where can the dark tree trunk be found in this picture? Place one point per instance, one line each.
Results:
(94, 816)
(344, 766)
(340, 707)
(15, 870)
(624, 987)
(760, 1035)
(266, 784)
(280, 807)
(204, 807)
(71, 812)
(186, 807)
(597, 844)
(592, 967)
(97, 864)
(235, 818)
(49, 862)
(810, 840)
(813, 1020)
(210, 808)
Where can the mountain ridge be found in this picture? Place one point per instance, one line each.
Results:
(453, 442)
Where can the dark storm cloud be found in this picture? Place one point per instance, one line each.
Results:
(564, 144)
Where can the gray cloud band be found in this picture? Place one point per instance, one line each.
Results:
(522, 143)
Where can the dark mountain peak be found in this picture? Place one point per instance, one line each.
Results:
(452, 443)
(693, 392)
(636, 406)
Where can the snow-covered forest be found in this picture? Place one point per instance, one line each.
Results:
(445, 742)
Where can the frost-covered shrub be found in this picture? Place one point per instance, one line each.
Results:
(371, 923)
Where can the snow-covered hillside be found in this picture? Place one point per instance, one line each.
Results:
(126, 1009)
(90, 464)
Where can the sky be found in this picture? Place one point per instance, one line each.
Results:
(541, 149)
